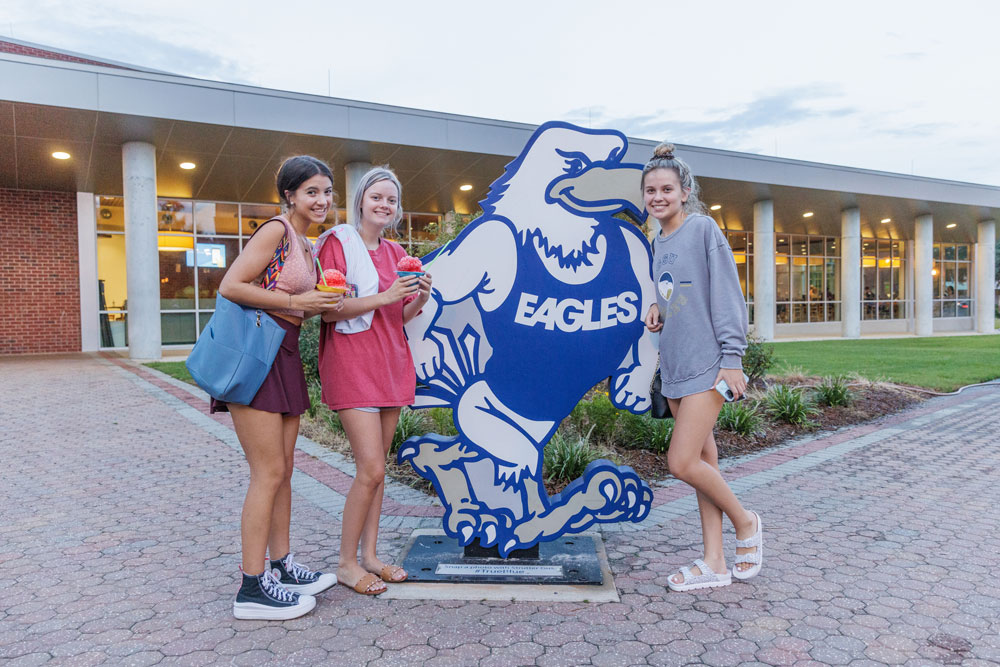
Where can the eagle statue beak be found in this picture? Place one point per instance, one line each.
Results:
(601, 188)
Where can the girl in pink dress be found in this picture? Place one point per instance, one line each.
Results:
(365, 365)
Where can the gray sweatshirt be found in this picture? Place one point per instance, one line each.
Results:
(701, 304)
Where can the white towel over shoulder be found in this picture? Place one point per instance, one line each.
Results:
(360, 271)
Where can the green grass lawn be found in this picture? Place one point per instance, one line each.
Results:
(941, 363)
(175, 369)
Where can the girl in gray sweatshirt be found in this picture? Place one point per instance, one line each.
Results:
(702, 318)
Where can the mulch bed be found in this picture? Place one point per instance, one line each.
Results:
(871, 401)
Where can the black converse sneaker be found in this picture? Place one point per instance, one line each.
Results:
(300, 579)
(262, 597)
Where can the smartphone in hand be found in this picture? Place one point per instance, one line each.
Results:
(727, 393)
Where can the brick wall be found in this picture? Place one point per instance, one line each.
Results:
(22, 50)
(39, 272)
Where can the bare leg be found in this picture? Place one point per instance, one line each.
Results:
(260, 433)
(364, 432)
(711, 517)
(695, 417)
(369, 535)
(278, 541)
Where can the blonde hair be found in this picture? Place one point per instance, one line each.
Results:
(371, 177)
(664, 158)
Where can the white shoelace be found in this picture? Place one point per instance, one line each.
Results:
(297, 571)
(273, 587)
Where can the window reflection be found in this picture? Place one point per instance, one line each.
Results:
(807, 279)
(951, 280)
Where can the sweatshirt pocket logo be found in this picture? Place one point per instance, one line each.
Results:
(665, 285)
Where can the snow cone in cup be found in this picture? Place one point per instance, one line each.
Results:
(409, 266)
(333, 281)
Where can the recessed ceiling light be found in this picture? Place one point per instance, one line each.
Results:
(951, 225)
(188, 165)
(61, 155)
(716, 207)
(885, 220)
(807, 214)
(465, 188)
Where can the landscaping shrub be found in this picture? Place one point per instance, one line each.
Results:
(410, 423)
(833, 391)
(598, 417)
(315, 401)
(644, 432)
(789, 405)
(331, 419)
(758, 358)
(441, 421)
(309, 349)
(742, 418)
(567, 456)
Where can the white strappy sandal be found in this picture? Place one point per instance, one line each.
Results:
(707, 578)
(755, 558)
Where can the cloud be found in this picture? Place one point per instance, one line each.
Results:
(152, 42)
(728, 127)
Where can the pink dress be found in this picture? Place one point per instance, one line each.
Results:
(371, 368)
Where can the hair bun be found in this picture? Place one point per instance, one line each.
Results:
(664, 151)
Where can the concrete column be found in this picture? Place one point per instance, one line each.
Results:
(142, 260)
(986, 249)
(353, 171)
(923, 263)
(850, 273)
(763, 268)
(86, 244)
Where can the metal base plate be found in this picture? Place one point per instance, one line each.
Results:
(571, 559)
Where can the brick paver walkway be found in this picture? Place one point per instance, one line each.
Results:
(119, 519)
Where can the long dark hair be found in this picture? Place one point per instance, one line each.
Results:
(296, 170)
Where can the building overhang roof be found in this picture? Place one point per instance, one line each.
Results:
(238, 134)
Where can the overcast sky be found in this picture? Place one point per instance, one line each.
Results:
(910, 87)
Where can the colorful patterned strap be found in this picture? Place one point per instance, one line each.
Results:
(277, 262)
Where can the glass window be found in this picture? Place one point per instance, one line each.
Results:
(952, 287)
(881, 275)
(214, 255)
(781, 290)
(253, 215)
(177, 328)
(174, 215)
(211, 218)
(114, 329)
(781, 245)
(832, 279)
(800, 245)
(424, 226)
(110, 214)
(177, 288)
(111, 281)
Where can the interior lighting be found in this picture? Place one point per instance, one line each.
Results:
(934, 272)
(168, 243)
(885, 220)
(807, 214)
(466, 187)
(716, 207)
(188, 165)
(951, 225)
(61, 155)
